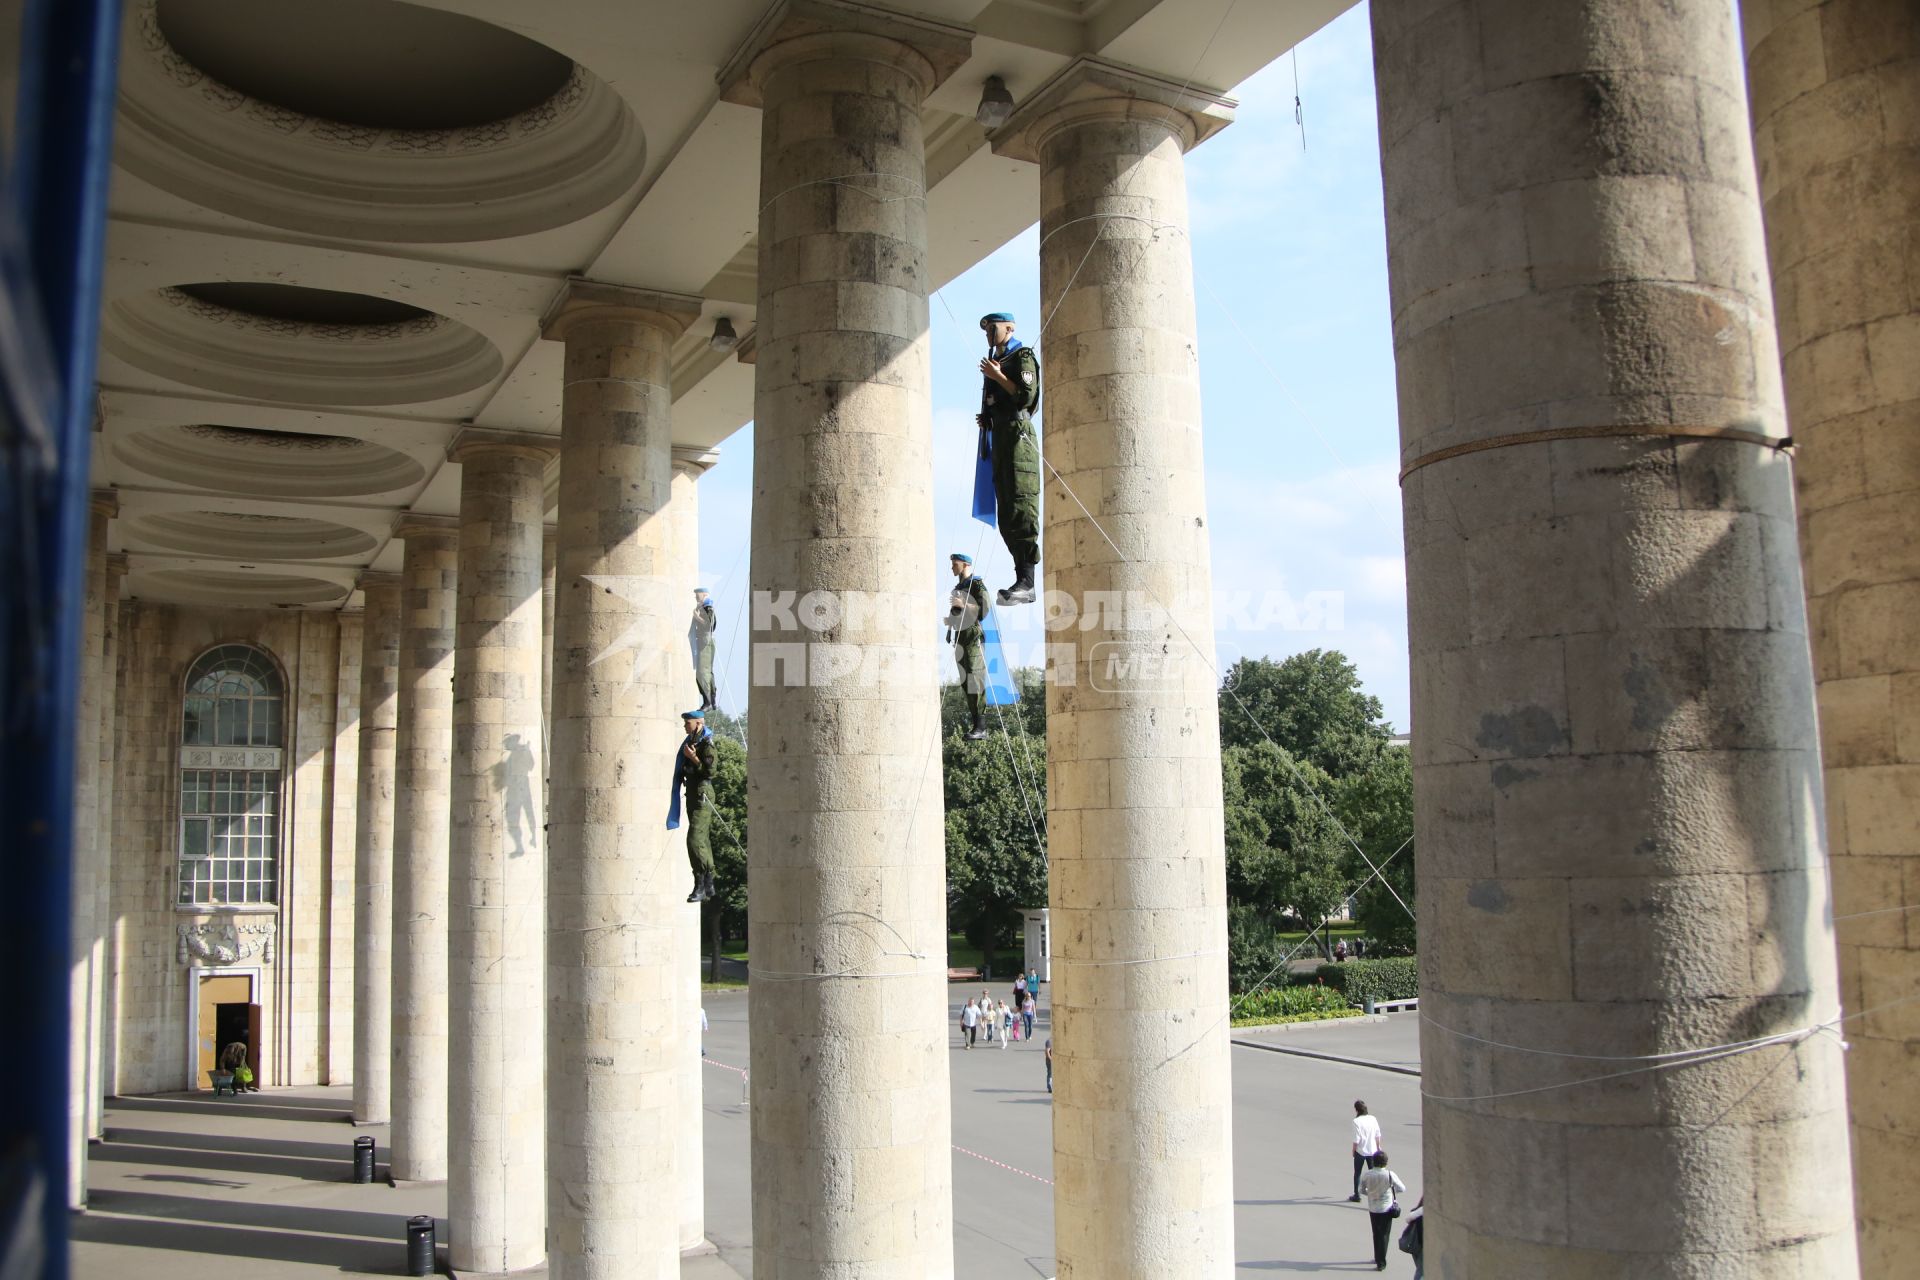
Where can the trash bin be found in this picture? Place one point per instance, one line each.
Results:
(363, 1159)
(420, 1245)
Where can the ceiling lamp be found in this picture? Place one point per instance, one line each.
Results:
(996, 104)
(724, 338)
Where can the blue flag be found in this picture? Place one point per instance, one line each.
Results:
(1000, 690)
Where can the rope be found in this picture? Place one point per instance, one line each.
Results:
(1658, 430)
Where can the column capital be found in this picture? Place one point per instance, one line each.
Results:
(104, 502)
(811, 28)
(375, 579)
(585, 301)
(418, 527)
(1090, 89)
(697, 458)
(472, 442)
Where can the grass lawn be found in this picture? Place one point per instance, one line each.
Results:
(725, 984)
(1275, 1019)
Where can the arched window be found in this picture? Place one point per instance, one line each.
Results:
(231, 738)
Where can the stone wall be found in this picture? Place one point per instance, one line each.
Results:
(151, 984)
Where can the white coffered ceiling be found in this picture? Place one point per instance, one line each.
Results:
(442, 155)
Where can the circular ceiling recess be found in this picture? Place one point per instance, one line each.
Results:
(367, 119)
(374, 63)
(268, 464)
(295, 345)
(221, 586)
(244, 535)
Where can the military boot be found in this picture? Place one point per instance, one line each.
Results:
(1021, 592)
(979, 731)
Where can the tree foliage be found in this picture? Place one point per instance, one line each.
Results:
(996, 806)
(1285, 853)
(1376, 805)
(729, 835)
(1310, 705)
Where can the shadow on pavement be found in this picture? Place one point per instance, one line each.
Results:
(280, 1108)
(245, 1213)
(341, 1150)
(359, 1256)
(335, 1170)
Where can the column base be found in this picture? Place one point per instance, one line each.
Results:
(700, 1250)
(407, 1184)
(539, 1269)
(367, 1124)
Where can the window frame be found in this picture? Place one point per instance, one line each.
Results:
(235, 765)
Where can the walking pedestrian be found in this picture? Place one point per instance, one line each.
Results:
(1366, 1141)
(1049, 1064)
(986, 1015)
(1381, 1187)
(970, 1022)
(1413, 1237)
(1006, 1024)
(1026, 1014)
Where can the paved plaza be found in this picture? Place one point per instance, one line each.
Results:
(185, 1179)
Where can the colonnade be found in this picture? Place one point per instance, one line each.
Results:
(1617, 779)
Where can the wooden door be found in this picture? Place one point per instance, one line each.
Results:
(215, 991)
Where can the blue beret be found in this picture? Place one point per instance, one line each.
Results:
(962, 558)
(693, 715)
(703, 589)
(996, 317)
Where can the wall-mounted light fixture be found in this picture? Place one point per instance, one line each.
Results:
(724, 338)
(996, 104)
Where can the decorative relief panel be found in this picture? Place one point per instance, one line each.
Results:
(230, 757)
(226, 941)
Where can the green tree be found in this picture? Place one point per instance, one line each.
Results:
(1310, 704)
(725, 914)
(1285, 853)
(996, 808)
(1376, 805)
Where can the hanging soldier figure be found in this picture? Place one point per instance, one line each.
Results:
(1009, 395)
(700, 639)
(693, 773)
(966, 609)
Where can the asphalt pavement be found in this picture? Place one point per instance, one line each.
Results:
(1291, 1132)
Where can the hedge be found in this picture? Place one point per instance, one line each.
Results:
(1292, 1002)
(1394, 978)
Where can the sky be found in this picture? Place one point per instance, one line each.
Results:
(1296, 366)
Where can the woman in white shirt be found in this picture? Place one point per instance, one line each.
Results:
(1366, 1141)
(1380, 1187)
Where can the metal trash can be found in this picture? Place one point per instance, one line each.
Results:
(420, 1245)
(363, 1159)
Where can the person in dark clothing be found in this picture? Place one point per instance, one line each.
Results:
(693, 776)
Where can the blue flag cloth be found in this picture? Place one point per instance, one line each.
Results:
(984, 509)
(679, 776)
(1000, 690)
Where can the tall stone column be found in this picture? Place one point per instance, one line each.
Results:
(100, 1049)
(85, 983)
(422, 782)
(1836, 114)
(496, 921)
(614, 1030)
(373, 849)
(1616, 776)
(851, 1168)
(683, 548)
(1143, 1145)
(549, 541)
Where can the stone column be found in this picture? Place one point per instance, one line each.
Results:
(548, 543)
(1836, 113)
(1616, 776)
(851, 1167)
(373, 849)
(496, 934)
(101, 1047)
(85, 1003)
(1143, 1146)
(422, 781)
(614, 1030)
(683, 545)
